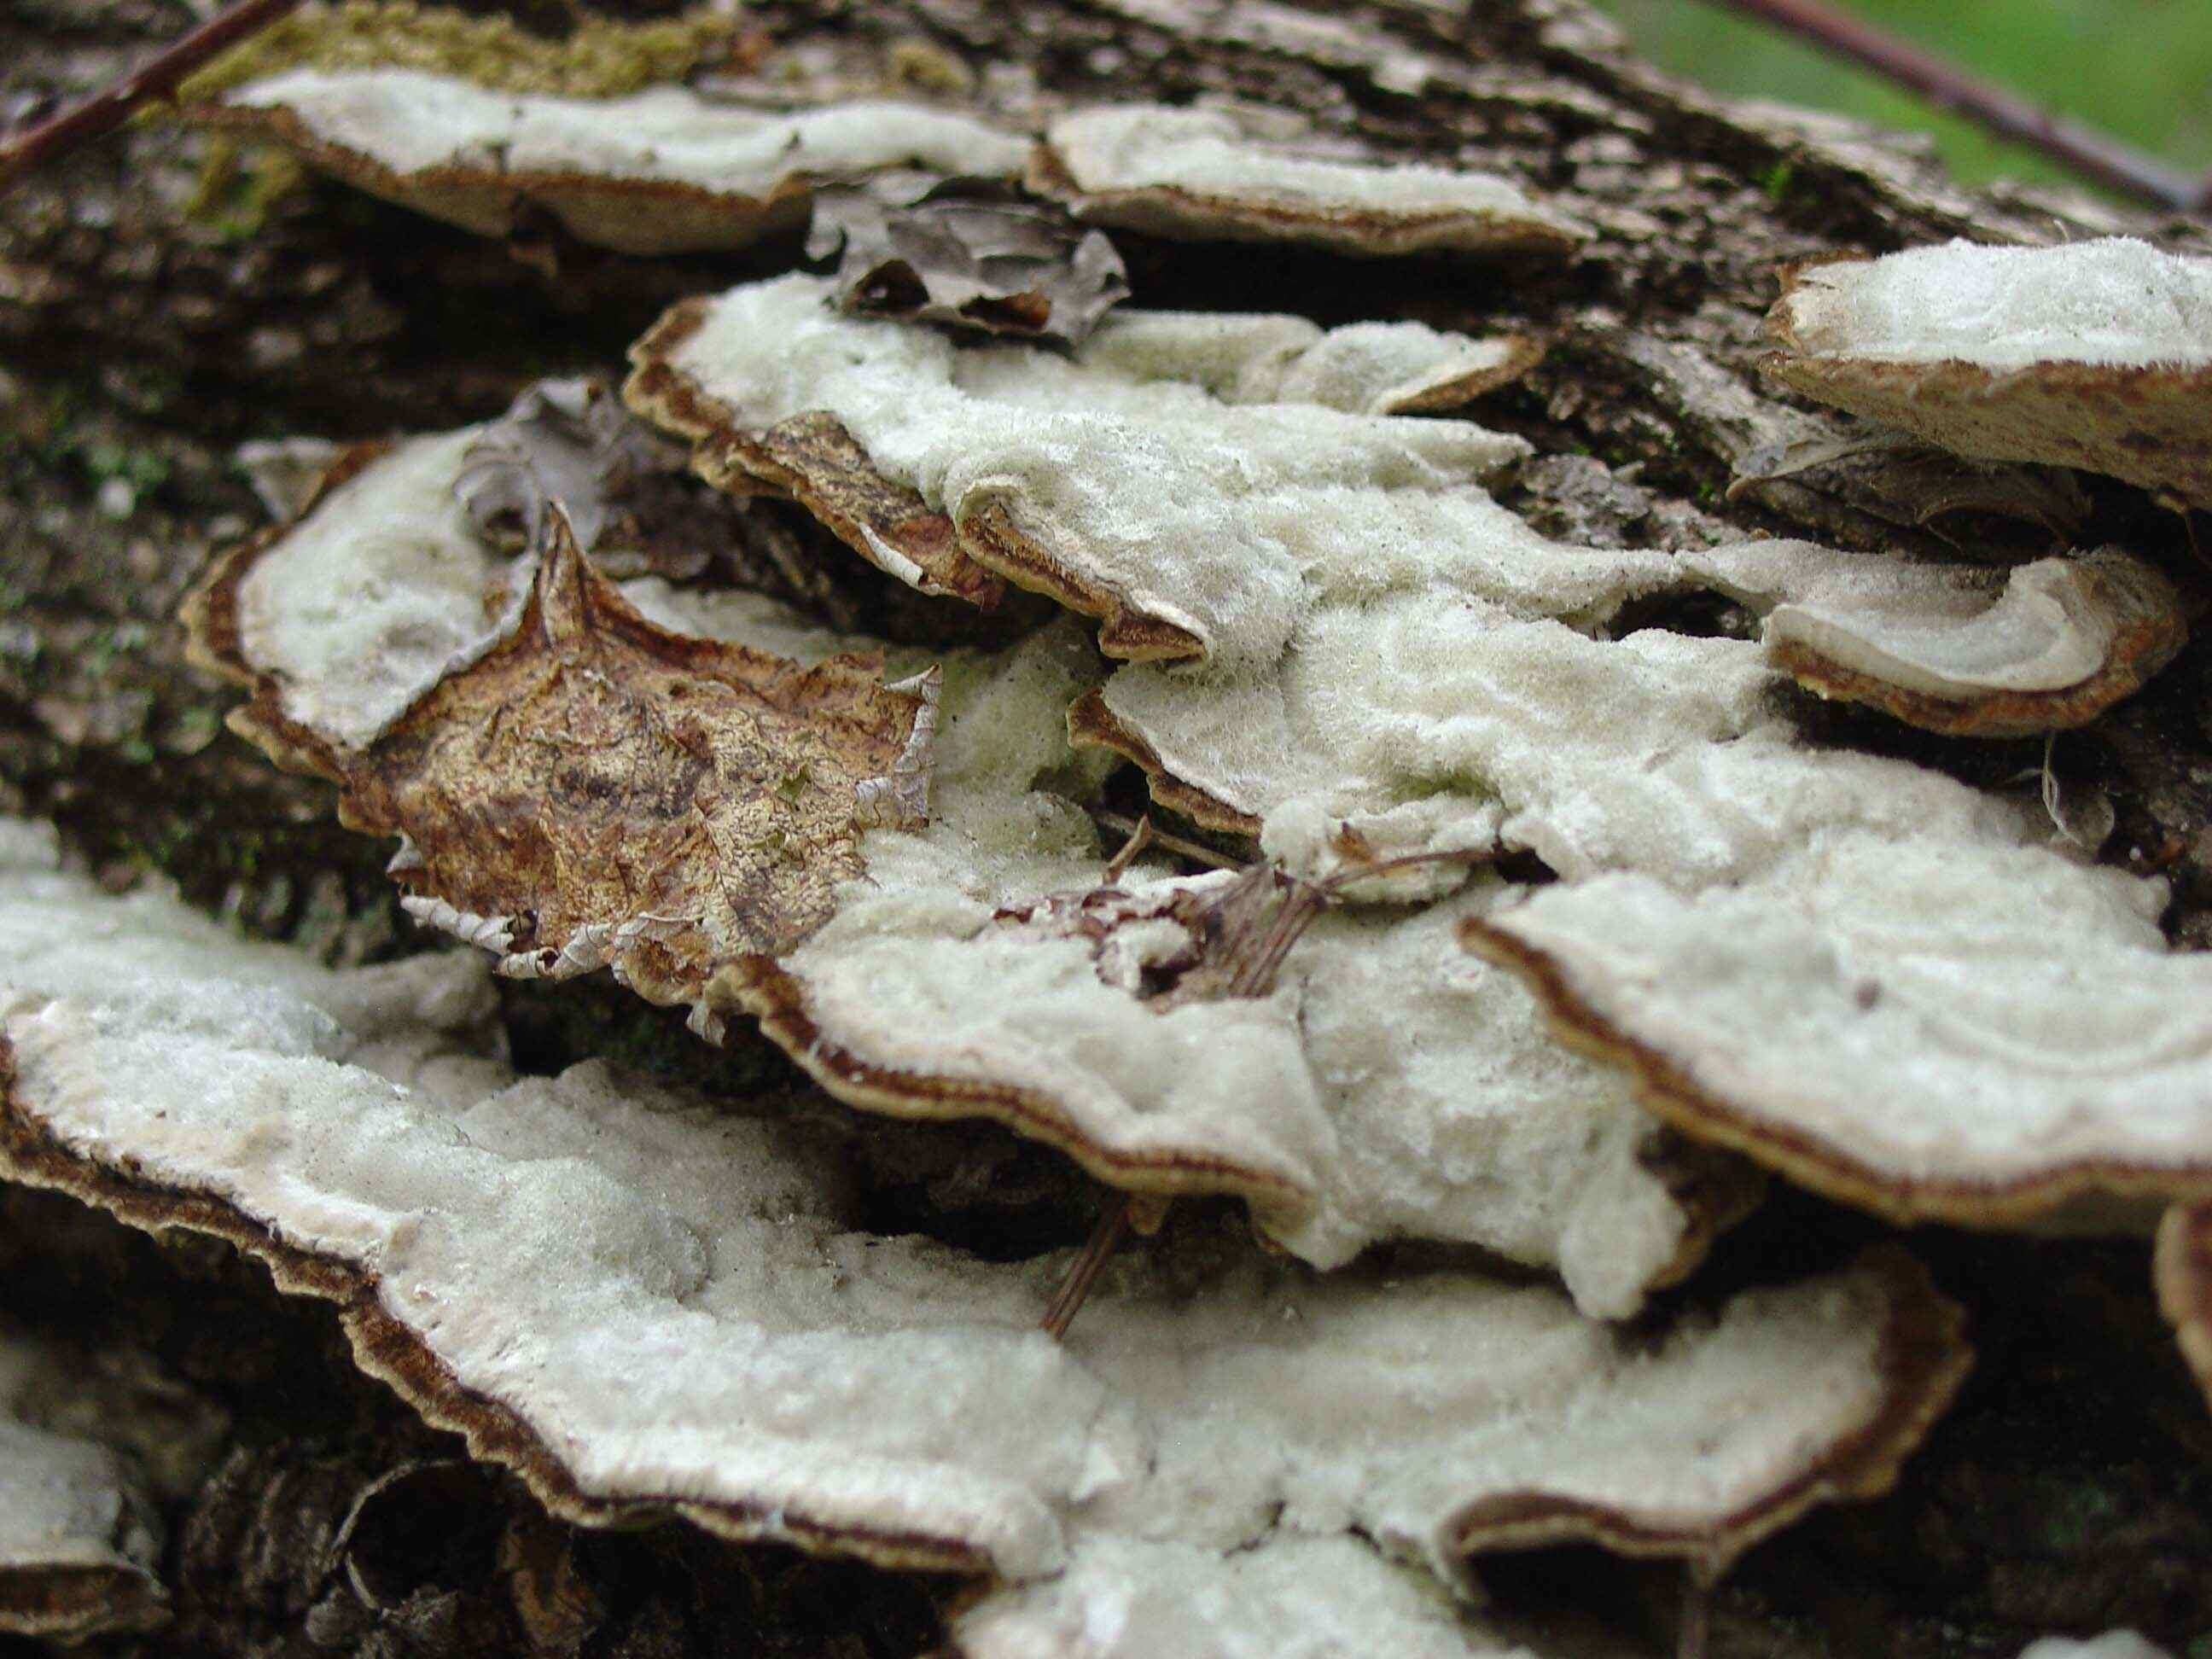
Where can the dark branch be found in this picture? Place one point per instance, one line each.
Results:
(106, 110)
(2094, 155)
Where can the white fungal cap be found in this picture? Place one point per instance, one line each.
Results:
(1199, 173)
(658, 171)
(2098, 355)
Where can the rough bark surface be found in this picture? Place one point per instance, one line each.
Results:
(162, 299)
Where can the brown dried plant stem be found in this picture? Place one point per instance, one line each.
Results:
(2093, 154)
(109, 108)
(1105, 1239)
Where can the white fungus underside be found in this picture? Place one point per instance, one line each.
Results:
(2114, 301)
(2112, 1644)
(1942, 1008)
(1206, 153)
(413, 122)
(365, 604)
(665, 1293)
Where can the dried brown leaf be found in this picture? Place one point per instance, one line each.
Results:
(596, 791)
(969, 254)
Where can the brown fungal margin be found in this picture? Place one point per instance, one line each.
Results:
(1666, 1089)
(759, 987)
(212, 641)
(1523, 353)
(2146, 644)
(2145, 423)
(629, 214)
(810, 459)
(1171, 209)
(386, 1349)
(1092, 725)
(71, 1605)
(994, 539)
(2183, 1274)
(1924, 1360)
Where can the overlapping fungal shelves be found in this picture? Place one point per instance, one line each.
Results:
(885, 855)
(1303, 613)
(646, 1303)
(1854, 969)
(660, 171)
(80, 1534)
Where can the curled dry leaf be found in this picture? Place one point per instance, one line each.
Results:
(564, 442)
(661, 171)
(966, 254)
(575, 787)
(2097, 355)
(79, 1530)
(1199, 173)
(646, 1302)
(967, 967)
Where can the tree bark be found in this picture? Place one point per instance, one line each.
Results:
(159, 307)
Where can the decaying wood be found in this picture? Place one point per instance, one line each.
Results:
(164, 296)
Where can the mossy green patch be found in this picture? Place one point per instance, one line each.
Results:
(599, 58)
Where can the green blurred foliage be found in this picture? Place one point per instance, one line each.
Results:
(2141, 69)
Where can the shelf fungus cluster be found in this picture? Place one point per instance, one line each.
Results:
(647, 1303)
(1522, 924)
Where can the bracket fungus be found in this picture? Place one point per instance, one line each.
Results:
(2096, 355)
(734, 819)
(660, 171)
(645, 1302)
(922, 457)
(1217, 488)
(1198, 173)
(1393, 663)
(79, 1530)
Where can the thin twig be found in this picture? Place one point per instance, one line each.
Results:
(1104, 1239)
(2093, 154)
(108, 109)
(1197, 851)
(1694, 1618)
(1140, 838)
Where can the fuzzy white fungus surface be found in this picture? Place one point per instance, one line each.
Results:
(2113, 300)
(411, 121)
(1122, 154)
(668, 1294)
